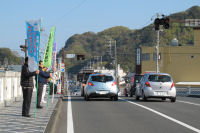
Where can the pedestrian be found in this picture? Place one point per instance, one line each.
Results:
(44, 87)
(27, 87)
(43, 76)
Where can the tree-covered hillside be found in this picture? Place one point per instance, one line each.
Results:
(7, 53)
(94, 44)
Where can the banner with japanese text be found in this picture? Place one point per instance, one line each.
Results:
(49, 48)
(33, 42)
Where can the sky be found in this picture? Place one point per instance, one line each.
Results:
(78, 16)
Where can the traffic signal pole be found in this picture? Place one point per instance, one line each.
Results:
(157, 51)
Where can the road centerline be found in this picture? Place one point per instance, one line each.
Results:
(196, 104)
(70, 126)
(165, 116)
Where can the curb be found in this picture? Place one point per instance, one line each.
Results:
(53, 119)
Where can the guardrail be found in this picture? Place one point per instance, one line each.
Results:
(188, 88)
(10, 88)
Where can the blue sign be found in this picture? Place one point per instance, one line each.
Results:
(33, 42)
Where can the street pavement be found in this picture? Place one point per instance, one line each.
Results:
(11, 120)
(129, 116)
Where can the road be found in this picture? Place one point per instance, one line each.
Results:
(129, 116)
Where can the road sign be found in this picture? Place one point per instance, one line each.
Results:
(70, 56)
(62, 67)
(192, 22)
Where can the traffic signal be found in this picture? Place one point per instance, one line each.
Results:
(166, 23)
(80, 57)
(23, 48)
(162, 21)
(157, 23)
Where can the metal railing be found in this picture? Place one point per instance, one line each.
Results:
(188, 91)
(10, 87)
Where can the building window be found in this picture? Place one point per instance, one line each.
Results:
(154, 56)
(146, 56)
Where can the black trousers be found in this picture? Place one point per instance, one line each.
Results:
(27, 96)
(39, 94)
(51, 88)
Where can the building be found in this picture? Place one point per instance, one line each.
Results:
(181, 62)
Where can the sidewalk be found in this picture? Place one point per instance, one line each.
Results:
(11, 120)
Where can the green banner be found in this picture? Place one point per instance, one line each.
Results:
(48, 51)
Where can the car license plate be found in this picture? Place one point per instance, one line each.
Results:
(160, 93)
(102, 92)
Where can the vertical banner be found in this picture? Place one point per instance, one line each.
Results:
(33, 42)
(48, 51)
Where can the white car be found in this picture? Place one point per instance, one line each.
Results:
(156, 85)
(101, 85)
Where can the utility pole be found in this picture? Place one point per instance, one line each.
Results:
(116, 66)
(157, 51)
(101, 62)
(157, 45)
(24, 48)
(164, 21)
(63, 73)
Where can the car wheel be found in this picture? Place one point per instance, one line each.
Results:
(163, 98)
(87, 98)
(131, 95)
(137, 97)
(173, 99)
(115, 98)
(143, 96)
(126, 94)
(82, 93)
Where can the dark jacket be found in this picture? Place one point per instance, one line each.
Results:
(43, 76)
(26, 76)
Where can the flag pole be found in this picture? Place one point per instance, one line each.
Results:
(38, 69)
(54, 62)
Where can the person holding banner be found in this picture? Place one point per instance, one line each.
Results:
(27, 87)
(44, 87)
(43, 76)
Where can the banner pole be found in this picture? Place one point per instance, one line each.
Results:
(38, 69)
(53, 94)
(49, 93)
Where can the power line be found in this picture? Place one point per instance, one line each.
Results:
(67, 13)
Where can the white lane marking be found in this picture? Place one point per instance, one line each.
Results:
(188, 102)
(165, 116)
(70, 126)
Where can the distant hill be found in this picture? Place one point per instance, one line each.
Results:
(94, 44)
(12, 58)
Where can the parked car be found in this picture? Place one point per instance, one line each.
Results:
(156, 85)
(131, 84)
(101, 85)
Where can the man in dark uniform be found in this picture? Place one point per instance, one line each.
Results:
(27, 87)
(43, 76)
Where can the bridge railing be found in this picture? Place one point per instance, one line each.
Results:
(10, 88)
(188, 88)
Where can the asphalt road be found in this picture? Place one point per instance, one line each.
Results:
(129, 116)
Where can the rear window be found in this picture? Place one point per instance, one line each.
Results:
(101, 78)
(159, 78)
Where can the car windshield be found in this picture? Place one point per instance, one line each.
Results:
(101, 78)
(159, 78)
